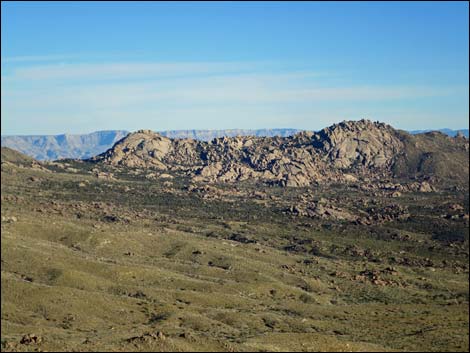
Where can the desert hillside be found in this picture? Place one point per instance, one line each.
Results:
(354, 238)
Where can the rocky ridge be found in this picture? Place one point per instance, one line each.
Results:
(345, 152)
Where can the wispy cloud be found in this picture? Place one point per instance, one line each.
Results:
(175, 93)
(140, 70)
(34, 58)
(192, 84)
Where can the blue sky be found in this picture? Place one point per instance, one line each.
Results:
(83, 66)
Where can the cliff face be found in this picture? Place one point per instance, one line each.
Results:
(342, 152)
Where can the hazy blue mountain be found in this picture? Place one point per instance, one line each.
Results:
(445, 131)
(51, 147)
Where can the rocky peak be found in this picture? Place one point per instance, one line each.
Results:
(143, 148)
(360, 143)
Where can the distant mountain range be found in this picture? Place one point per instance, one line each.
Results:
(51, 147)
(449, 132)
(207, 135)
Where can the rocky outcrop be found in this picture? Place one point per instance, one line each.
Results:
(321, 210)
(143, 148)
(361, 144)
(348, 152)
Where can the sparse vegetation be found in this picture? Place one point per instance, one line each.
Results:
(129, 263)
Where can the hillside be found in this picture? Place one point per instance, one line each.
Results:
(434, 155)
(135, 251)
(12, 156)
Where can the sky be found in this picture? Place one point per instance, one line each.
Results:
(78, 67)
